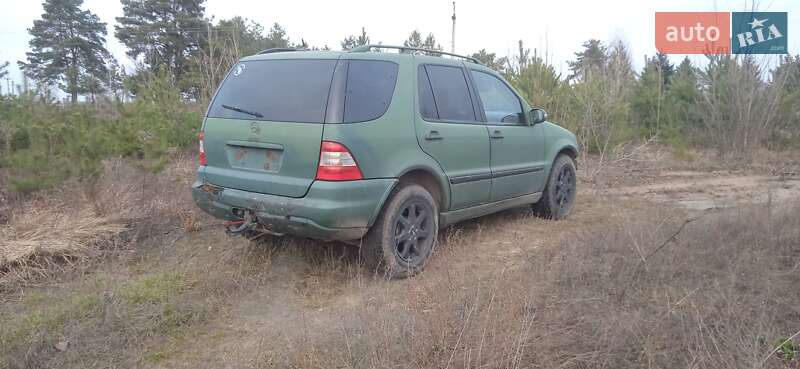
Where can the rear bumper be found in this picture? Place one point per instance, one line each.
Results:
(329, 211)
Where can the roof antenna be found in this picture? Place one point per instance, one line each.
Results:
(453, 36)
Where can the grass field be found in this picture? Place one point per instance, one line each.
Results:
(664, 264)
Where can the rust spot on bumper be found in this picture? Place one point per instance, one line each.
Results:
(208, 188)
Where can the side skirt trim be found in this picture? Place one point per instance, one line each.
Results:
(455, 216)
(504, 173)
(470, 178)
(513, 172)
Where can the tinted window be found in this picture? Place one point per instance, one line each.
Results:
(370, 86)
(426, 105)
(500, 104)
(450, 93)
(279, 90)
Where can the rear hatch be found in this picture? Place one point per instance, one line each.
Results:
(264, 128)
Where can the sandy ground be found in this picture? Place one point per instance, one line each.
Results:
(711, 190)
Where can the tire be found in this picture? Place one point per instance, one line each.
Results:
(404, 234)
(558, 197)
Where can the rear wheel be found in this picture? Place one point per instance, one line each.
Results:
(559, 193)
(401, 240)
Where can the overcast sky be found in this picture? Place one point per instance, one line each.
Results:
(558, 26)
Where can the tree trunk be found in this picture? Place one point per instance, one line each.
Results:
(73, 78)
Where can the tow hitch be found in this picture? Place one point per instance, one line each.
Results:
(238, 227)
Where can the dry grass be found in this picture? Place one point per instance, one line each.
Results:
(43, 235)
(112, 324)
(5, 206)
(721, 292)
(618, 286)
(75, 222)
(131, 312)
(719, 296)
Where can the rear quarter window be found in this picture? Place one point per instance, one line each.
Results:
(278, 90)
(427, 107)
(369, 89)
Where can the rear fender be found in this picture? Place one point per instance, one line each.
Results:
(444, 188)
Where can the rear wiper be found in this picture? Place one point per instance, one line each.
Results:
(240, 110)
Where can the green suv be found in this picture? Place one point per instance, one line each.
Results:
(381, 148)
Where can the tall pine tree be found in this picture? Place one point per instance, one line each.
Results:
(276, 37)
(352, 42)
(619, 67)
(664, 66)
(415, 40)
(591, 60)
(67, 47)
(490, 60)
(683, 95)
(165, 33)
(648, 99)
(665, 99)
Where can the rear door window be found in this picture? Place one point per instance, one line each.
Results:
(275, 90)
(370, 86)
(450, 93)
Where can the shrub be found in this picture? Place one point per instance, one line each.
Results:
(43, 143)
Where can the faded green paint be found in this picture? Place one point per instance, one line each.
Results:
(330, 210)
(277, 158)
(269, 167)
(557, 139)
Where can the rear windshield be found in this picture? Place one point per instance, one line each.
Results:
(276, 90)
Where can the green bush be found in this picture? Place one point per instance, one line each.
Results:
(43, 143)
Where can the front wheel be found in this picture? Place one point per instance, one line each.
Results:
(401, 240)
(558, 197)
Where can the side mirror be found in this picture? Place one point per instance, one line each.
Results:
(538, 116)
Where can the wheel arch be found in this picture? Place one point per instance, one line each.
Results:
(562, 145)
(428, 179)
(570, 151)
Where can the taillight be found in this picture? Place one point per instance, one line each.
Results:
(336, 163)
(202, 150)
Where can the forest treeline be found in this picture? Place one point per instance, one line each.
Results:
(733, 104)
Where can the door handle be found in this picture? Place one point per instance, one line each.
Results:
(433, 135)
(496, 134)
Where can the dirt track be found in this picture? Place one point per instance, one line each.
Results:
(711, 190)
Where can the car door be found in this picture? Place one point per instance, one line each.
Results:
(517, 148)
(449, 129)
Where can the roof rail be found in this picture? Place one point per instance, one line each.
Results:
(403, 49)
(278, 50)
